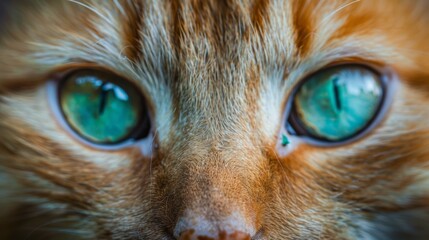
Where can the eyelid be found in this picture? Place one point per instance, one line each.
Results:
(60, 72)
(63, 71)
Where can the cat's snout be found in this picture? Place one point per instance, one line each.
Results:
(223, 235)
(194, 227)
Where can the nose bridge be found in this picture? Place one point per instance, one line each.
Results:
(213, 185)
(214, 178)
(219, 162)
(216, 205)
(218, 196)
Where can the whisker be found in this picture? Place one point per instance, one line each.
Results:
(40, 227)
(325, 19)
(94, 10)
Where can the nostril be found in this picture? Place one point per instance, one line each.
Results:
(222, 235)
(233, 227)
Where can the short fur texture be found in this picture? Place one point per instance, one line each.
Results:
(217, 75)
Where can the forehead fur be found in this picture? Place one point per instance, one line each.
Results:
(192, 34)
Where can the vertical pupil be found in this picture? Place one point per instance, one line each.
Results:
(337, 94)
(103, 99)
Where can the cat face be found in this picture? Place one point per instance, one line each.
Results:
(217, 84)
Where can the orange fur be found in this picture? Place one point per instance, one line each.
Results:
(216, 74)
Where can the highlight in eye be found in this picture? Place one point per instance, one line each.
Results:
(103, 108)
(338, 103)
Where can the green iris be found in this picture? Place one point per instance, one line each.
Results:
(98, 108)
(338, 103)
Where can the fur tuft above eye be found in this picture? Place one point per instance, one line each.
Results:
(102, 108)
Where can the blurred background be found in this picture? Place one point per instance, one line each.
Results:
(3, 4)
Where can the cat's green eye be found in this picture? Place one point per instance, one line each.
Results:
(102, 108)
(338, 103)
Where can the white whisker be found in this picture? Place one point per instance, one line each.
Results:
(325, 19)
(94, 10)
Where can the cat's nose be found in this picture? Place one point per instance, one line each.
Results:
(194, 227)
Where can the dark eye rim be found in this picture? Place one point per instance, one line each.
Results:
(387, 80)
(141, 131)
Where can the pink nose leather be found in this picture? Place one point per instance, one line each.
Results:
(233, 227)
(190, 235)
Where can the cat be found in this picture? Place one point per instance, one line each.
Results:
(223, 142)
